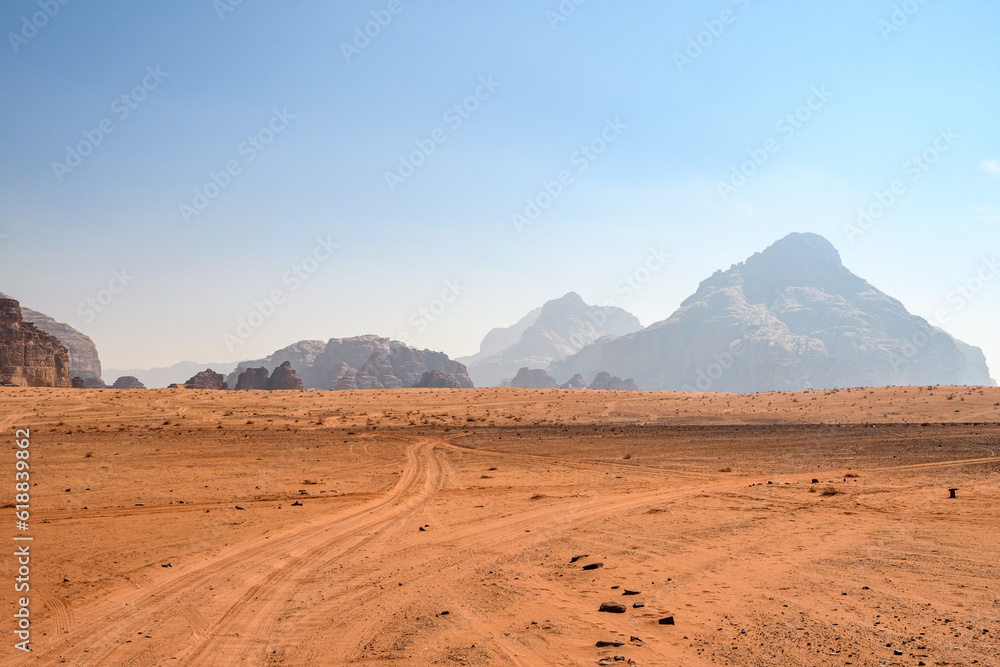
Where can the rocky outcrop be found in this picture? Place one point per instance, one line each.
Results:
(791, 317)
(252, 379)
(361, 362)
(301, 355)
(284, 379)
(77, 383)
(83, 359)
(536, 378)
(575, 382)
(29, 357)
(207, 379)
(437, 380)
(604, 381)
(128, 382)
(561, 328)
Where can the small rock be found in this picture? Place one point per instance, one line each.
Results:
(296, 504)
(604, 644)
(593, 566)
(240, 508)
(628, 592)
(668, 620)
(165, 565)
(638, 605)
(619, 658)
(576, 558)
(815, 481)
(613, 608)
(897, 652)
(636, 640)
(422, 529)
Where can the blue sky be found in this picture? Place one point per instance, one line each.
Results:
(278, 139)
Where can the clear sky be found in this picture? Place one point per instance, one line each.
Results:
(165, 166)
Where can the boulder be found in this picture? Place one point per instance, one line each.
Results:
(284, 378)
(437, 380)
(128, 382)
(533, 379)
(252, 378)
(207, 379)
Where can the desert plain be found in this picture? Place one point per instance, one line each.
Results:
(440, 527)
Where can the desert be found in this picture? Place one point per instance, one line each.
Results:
(490, 526)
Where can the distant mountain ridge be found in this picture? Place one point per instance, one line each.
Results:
(360, 362)
(788, 318)
(561, 328)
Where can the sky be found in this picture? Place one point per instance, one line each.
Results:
(213, 180)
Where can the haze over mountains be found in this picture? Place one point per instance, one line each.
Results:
(555, 331)
(791, 317)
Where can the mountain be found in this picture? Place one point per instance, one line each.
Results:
(561, 327)
(168, 375)
(790, 317)
(29, 357)
(83, 359)
(361, 362)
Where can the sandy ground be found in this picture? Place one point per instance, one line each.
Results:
(704, 506)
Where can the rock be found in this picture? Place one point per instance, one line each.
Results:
(437, 380)
(252, 379)
(668, 620)
(638, 605)
(84, 361)
(207, 379)
(361, 362)
(532, 379)
(613, 608)
(636, 640)
(29, 357)
(128, 382)
(575, 382)
(606, 382)
(593, 566)
(284, 379)
(576, 558)
(297, 504)
(791, 317)
(240, 508)
(77, 383)
(605, 644)
(629, 592)
(560, 328)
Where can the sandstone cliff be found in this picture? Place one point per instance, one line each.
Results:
(83, 359)
(29, 357)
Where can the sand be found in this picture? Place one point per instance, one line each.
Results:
(704, 506)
